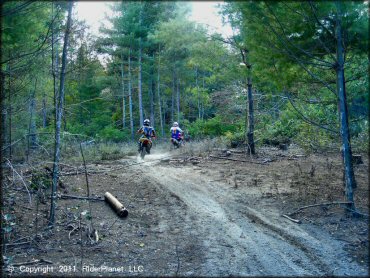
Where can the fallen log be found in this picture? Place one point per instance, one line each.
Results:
(116, 205)
(62, 196)
(238, 160)
(292, 219)
(239, 152)
(17, 243)
(32, 262)
(318, 205)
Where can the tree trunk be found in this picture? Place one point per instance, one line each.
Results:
(64, 118)
(250, 116)
(173, 97)
(350, 182)
(151, 93)
(32, 138)
(140, 85)
(44, 112)
(246, 118)
(2, 142)
(198, 95)
(9, 114)
(250, 109)
(164, 113)
(56, 70)
(178, 99)
(123, 96)
(159, 96)
(202, 102)
(130, 95)
(59, 118)
(3, 113)
(202, 111)
(54, 64)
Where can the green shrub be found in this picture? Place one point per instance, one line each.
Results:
(110, 133)
(211, 128)
(234, 139)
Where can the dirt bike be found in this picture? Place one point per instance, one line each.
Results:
(145, 145)
(177, 143)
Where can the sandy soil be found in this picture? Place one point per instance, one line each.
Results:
(200, 216)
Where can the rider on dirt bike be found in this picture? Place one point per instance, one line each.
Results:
(176, 134)
(147, 132)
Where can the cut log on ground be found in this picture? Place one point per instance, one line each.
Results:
(116, 205)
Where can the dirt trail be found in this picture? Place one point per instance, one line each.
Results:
(242, 239)
(200, 217)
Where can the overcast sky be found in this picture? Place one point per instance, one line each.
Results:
(202, 12)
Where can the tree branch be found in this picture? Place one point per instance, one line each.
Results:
(304, 118)
(16, 9)
(35, 51)
(329, 65)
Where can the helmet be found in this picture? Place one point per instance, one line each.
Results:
(175, 124)
(146, 122)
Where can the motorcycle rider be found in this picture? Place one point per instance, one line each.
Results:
(147, 132)
(176, 132)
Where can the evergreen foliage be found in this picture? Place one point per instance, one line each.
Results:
(186, 74)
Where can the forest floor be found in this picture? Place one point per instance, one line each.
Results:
(197, 215)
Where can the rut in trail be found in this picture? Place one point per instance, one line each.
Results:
(239, 239)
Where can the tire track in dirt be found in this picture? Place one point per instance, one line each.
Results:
(249, 251)
(225, 227)
(239, 240)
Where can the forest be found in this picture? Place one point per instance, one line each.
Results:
(278, 112)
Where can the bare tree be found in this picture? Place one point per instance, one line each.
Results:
(152, 91)
(178, 99)
(249, 116)
(32, 135)
(198, 95)
(44, 111)
(350, 182)
(250, 109)
(3, 112)
(159, 94)
(173, 96)
(141, 114)
(59, 116)
(123, 94)
(130, 94)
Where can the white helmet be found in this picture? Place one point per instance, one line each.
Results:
(146, 122)
(175, 124)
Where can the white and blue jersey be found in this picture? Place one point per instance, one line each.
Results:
(176, 132)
